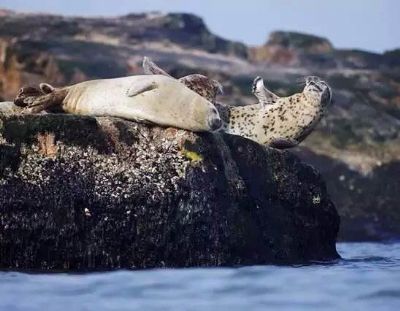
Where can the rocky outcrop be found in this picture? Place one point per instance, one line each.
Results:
(80, 193)
(360, 132)
(305, 50)
(290, 48)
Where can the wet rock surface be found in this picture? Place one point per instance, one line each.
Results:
(80, 193)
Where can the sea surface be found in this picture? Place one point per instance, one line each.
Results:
(367, 278)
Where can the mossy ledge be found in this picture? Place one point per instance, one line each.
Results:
(80, 193)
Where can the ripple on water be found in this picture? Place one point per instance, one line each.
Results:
(367, 278)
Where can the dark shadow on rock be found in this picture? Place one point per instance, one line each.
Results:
(368, 204)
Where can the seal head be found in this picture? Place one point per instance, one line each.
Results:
(202, 85)
(317, 88)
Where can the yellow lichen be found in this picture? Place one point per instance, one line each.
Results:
(192, 156)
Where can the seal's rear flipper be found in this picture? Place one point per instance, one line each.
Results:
(283, 143)
(150, 68)
(264, 96)
(52, 101)
(141, 87)
(27, 95)
(47, 88)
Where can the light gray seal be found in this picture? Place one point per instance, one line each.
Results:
(156, 99)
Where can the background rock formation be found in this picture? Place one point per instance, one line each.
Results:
(101, 193)
(360, 133)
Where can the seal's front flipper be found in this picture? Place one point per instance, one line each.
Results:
(141, 87)
(264, 96)
(150, 68)
(203, 86)
(283, 143)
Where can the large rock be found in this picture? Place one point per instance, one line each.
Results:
(360, 134)
(101, 193)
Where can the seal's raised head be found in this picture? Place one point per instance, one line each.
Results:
(319, 89)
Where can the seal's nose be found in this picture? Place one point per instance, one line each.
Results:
(215, 123)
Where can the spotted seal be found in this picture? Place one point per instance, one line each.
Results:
(198, 83)
(156, 99)
(280, 122)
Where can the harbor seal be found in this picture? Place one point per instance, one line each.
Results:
(202, 85)
(279, 122)
(154, 99)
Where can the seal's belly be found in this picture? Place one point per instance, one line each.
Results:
(98, 97)
(157, 99)
(264, 125)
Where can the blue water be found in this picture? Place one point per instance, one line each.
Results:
(368, 278)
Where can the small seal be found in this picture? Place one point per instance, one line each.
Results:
(154, 99)
(202, 85)
(279, 122)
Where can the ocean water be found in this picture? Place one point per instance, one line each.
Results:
(368, 278)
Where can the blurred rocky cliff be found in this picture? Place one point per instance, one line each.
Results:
(356, 147)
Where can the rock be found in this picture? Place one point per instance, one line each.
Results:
(361, 130)
(190, 30)
(8, 108)
(293, 49)
(300, 41)
(79, 193)
(367, 203)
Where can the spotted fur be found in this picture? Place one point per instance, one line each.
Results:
(198, 83)
(286, 122)
(274, 121)
(203, 86)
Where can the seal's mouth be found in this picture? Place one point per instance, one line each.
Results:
(326, 98)
(315, 85)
